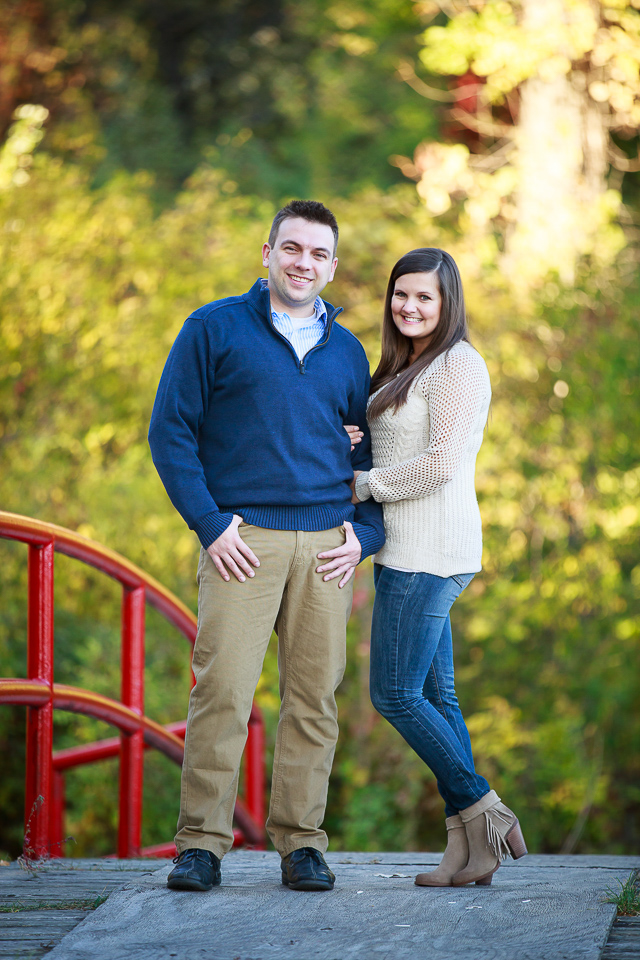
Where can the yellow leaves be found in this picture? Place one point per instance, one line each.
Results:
(128, 306)
(22, 139)
(98, 436)
(599, 91)
(625, 629)
(183, 546)
(347, 17)
(561, 389)
(494, 44)
(607, 482)
(443, 170)
(446, 172)
(354, 44)
(517, 544)
(499, 736)
(617, 525)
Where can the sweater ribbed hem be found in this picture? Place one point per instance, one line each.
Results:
(211, 526)
(308, 519)
(368, 537)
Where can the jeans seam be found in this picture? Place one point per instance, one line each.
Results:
(397, 632)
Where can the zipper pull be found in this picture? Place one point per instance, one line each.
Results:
(302, 366)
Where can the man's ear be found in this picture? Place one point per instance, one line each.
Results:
(266, 250)
(333, 268)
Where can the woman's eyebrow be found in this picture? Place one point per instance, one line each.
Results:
(420, 293)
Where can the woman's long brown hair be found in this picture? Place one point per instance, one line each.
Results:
(396, 348)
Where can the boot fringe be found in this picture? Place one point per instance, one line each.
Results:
(495, 840)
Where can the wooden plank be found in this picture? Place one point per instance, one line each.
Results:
(30, 934)
(536, 909)
(62, 880)
(520, 915)
(624, 940)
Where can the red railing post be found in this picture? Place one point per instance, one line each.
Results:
(57, 814)
(254, 771)
(38, 781)
(132, 744)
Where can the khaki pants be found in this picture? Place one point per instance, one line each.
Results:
(235, 621)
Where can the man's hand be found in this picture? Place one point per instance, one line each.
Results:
(230, 552)
(355, 434)
(344, 559)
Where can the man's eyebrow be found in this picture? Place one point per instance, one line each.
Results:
(299, 245)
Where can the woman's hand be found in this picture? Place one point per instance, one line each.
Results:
(356, 474)
(355, 434)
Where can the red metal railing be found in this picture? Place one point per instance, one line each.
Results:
(45, 770)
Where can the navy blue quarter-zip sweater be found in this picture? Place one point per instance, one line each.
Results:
(240, 425)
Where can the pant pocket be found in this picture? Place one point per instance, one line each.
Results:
(463, 579)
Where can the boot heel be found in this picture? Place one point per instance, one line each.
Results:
(515, 841)
(485, 882)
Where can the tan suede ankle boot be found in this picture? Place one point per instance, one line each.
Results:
(493, 832)
(454, 859)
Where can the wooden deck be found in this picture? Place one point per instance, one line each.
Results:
(38, 908)
(541, 908)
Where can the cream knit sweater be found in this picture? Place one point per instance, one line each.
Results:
(424, 460)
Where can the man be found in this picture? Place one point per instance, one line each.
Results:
(247, 436)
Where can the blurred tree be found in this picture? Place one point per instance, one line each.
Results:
(100, 262)
(93, 289)
(544, 85)
(288, 97)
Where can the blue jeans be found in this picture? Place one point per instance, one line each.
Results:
(412, 682)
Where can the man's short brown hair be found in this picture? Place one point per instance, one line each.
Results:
(311, 210)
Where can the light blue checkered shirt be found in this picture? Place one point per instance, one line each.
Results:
(302, 338)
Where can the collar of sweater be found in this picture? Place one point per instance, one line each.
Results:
(258, 298)
(319, 313)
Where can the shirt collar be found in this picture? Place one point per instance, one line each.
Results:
(319, 307)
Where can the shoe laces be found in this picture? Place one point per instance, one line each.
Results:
(314, 854)
(194, 853)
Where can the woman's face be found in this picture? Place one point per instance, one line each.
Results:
(415, 307)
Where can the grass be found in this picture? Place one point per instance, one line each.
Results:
(627, 898)
(89, 904)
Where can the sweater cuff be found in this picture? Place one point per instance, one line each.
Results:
(211, 526)
(369, 538)
(362, 486)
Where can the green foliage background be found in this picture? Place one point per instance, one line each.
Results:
(106, 248)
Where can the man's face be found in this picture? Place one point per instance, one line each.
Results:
(301, 263)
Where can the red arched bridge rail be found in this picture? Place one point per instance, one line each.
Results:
(44, 818)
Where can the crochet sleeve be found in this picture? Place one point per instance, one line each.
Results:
(455, 393)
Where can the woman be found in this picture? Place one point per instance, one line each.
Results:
(429, 402)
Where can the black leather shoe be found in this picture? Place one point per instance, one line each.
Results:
(195, 870)
(306, 869)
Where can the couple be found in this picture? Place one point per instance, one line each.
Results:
(248, 436)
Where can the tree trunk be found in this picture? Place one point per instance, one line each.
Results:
(562, 160)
